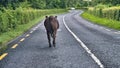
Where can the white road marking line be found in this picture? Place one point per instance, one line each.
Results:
(101, 27)
(22, 39)
(34, 29)
(3, 56)
(84, 46)
(37, 26)
(14, 46)
(31, 31)
(27, 35)
(117, 32)
(107, 29)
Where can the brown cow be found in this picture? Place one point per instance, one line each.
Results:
(51, 24)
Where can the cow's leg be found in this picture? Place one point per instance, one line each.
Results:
(54, 37)
(49, 40)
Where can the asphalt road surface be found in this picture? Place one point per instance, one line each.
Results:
(79, 44)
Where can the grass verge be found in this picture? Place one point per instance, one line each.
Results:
(8, 36)
(102, 21)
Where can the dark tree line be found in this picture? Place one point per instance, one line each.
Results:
(41, 4)
(106, 2)
(46, 4)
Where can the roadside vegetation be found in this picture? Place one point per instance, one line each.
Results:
(102, 21)
(104, 14)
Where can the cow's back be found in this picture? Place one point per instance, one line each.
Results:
(48, 25)
(54, 23)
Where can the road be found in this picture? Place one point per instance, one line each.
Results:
(79, 44)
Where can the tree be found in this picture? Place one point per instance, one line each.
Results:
(38, 4)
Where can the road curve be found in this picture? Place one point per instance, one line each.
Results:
(31, 50)
(102, 41)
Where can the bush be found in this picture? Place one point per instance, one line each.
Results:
(110, 13)
(101, 6)
(10, 19)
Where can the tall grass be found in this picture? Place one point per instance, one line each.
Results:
(110, 13)
(10, 19)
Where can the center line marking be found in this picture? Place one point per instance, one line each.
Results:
(27, 35)
(31, 31)
(14, 46)
(22, 39)
(3, 56)
(84, 46)
(101, 27)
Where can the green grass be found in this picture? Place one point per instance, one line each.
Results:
(7, 36)
(102, 21)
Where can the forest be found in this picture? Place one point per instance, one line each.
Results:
(49, 4)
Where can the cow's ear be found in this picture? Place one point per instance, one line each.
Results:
(55, 16)
(46, 16)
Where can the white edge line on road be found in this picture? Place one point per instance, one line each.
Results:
(84, 46)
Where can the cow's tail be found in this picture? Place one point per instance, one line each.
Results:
(52, 31)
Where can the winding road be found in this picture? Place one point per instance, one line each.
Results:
(79, 44)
